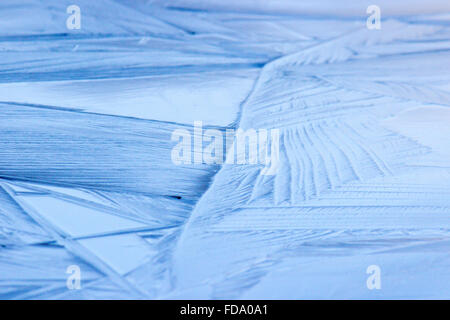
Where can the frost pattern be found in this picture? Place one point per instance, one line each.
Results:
(86, 176)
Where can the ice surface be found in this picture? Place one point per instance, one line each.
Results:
(87, 179)
(181, 98)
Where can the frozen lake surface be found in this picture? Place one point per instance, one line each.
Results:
(87, 177)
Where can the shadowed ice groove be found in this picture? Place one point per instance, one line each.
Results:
(94, 151)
